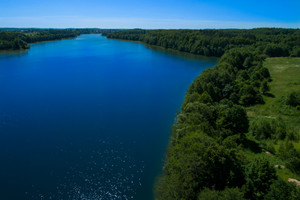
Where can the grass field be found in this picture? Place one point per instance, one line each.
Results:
(285, 74)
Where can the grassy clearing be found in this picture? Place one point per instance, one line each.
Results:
(285, 73)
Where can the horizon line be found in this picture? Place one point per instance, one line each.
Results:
(226, 28)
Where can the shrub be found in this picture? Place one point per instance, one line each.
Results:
(227, 194)
(264, 87)
(265, 128)
(289, 154)
(268, 145)
(295, 52)
(293, 98)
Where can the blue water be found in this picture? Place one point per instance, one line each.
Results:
(88, 118)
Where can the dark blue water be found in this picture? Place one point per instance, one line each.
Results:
(88, 118)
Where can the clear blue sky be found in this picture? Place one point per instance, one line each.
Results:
(150, 14)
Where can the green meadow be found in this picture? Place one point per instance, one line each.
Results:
(285, 75)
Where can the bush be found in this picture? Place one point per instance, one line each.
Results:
(264, 72)
(227, 194)
(268, 145)
(295, 52)
(261, 128)
(292, 135)
(264, 87)
(265, 128)
(289, 154)
(293, 98)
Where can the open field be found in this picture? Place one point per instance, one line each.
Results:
(285, 74)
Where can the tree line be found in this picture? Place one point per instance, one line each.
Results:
(16, 39)
(210, 151)
(270, 41)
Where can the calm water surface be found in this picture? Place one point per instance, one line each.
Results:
(88, 118)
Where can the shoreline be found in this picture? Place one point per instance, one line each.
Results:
(169, 50)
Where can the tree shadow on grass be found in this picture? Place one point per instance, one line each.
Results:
(269, 95)
(252, 145)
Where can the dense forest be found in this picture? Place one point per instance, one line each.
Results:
(271, 41)
(216, 151)
(16, 39)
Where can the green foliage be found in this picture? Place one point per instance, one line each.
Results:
(296, 52)
(285, 79)
(19, 44)
(268, 145)
(292, 135)
(264, 87)
(198, 161)
(281, 190)
(249, 95)
(226, 81)
(196, 113)
(293, 98)
(291, 156)
(265, 128)
(19, 38)
(271, 41)
(241, 58)
(233, 118)
(196, 97)
(259, 176)
(191, 98)
(276, 50)
(264, 72)
(227, 194)
(205, 98)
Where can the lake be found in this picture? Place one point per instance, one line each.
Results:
(88, 118)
